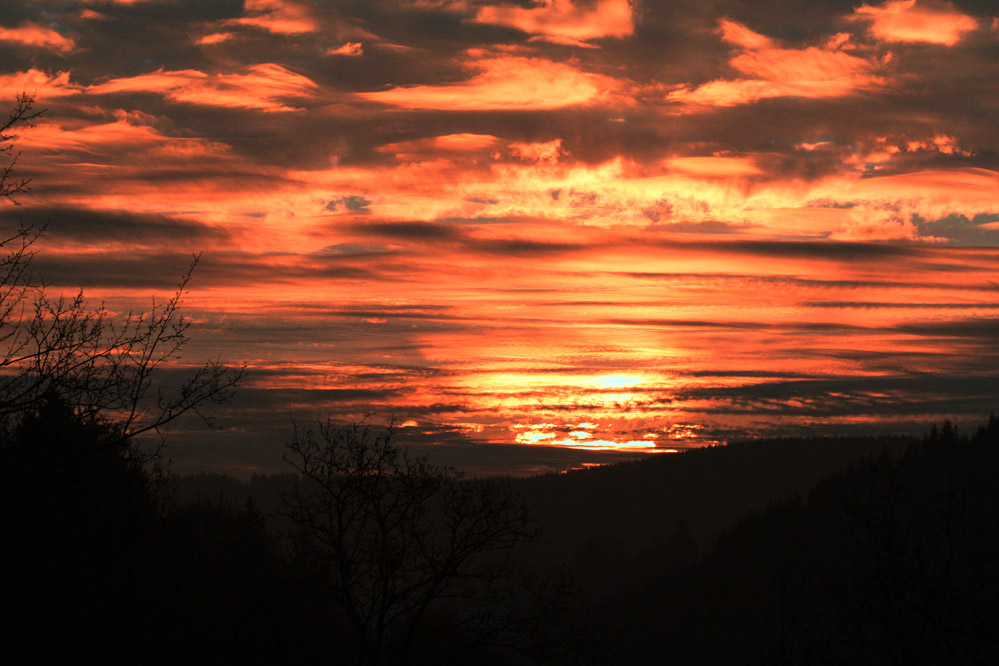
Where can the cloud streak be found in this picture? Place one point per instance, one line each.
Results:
(261, 86)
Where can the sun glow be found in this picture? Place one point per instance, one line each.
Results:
(585, 436)
(616, 381)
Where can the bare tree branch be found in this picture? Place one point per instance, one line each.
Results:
(397, 539)
(22, 114)
(99, 364)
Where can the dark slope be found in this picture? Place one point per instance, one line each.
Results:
(893, 561)
(620, 524)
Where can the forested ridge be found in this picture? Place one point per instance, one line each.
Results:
(798, 551)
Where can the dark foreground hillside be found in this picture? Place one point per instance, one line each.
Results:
(617, 526)
(792, 551)
(895, 560)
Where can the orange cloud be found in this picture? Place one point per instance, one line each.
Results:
(464, 141)
(934, 193)
(814, 72)
(39, 84)
(128, 132)
(903, 21)
(214, 38)
(940, 143)
(260, 88)
(548, 151)
(505, 83)
(714, 167)
(738, 34)
(48, 136)
(33, 34)
(278, 16)
(110, 165)
(429, 149)
(562, 21)
(879, 208)
(348, 49)
(824, 72)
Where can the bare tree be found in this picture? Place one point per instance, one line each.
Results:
(99, 364)
(401, 543)
(23, 114)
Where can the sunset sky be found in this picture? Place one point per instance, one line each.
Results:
(533, 233)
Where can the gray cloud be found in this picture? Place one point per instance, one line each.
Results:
(101, 226)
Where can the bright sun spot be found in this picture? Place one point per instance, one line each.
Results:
(616, 381)
(581, 436)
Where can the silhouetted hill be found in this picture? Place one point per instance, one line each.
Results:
(784, 551)
(620, 524)
(891, 561)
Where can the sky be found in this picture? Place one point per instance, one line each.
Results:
(533, 234)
